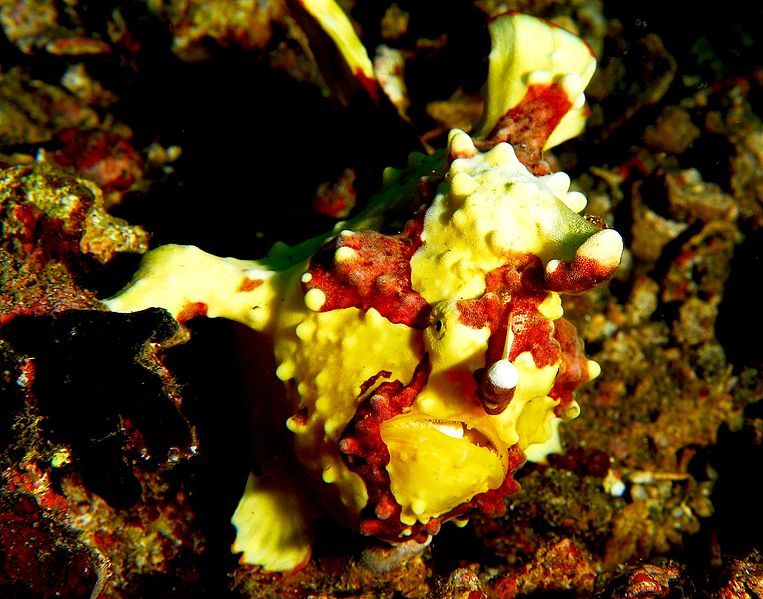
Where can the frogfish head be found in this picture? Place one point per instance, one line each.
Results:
(430, 363)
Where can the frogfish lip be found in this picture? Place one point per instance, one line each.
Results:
(437, 464)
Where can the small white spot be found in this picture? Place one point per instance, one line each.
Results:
(552, 266)
(314, 299)
(307, 277)
(344, 254)
(613, 484)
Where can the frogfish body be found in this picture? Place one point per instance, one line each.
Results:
(421, 343)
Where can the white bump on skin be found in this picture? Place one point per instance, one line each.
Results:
(461, 144)
(539, 77)
(558, 183)
(462, 185)
(459, 165)
(573, 84)
(594, 369)
(551, 306)
(345, 253)
(575, 201)
(604, 247)
(329, 475)
(503, 375)
(501, 155)
(314, 299)
(418, 507)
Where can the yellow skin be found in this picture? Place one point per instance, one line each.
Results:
(444, 449)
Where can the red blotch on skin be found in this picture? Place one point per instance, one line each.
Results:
(513, 292)
(192, 310)
(248, 284)
(378, 276)
(492, 502)
(27, 216)
(573, 370)
(579, 275)
(104, 539)
(530, 123)
(366, 453)
(485, 311)
(551, 569)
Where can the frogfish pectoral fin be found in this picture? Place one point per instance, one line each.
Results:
(272, 526)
